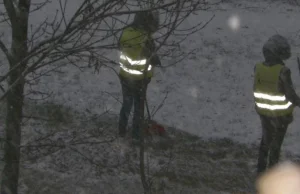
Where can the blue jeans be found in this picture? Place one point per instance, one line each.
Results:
(132, 96)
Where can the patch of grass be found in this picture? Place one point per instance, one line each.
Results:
(41, 182)
(55, 114)
(221, 164)
(187, 180)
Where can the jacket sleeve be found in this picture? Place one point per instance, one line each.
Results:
(288, 87)
(150, 51)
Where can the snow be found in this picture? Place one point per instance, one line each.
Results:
(234, 22)
(209, 93)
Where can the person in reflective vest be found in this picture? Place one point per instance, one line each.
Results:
(275, 99)
(137, 54)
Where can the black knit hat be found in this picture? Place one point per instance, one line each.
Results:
(148, 20)
(277, 46)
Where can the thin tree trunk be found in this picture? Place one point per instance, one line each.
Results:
(142, 139)
(10, 175)
(15, 97)
(142, 134)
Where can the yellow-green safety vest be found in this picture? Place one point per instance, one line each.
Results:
(132, 59)
(268, 100)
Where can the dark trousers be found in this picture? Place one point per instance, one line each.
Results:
(132, 96)
(273, 132)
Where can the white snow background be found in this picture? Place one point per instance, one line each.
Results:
(210, 93)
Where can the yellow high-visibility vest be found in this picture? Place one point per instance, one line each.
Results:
(132, 59)
(268, 100)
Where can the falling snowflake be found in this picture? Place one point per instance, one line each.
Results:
(194, 92)
(234, 22)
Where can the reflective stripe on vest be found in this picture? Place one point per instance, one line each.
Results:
(141, 64)
(272, 98)
(133, 62)
(269, 97)
(274, 107)
(133, 71)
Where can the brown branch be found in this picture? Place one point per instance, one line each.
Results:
(5, 51)
(70, 30)
(39, 5)
(36, 118)
(63, 11)
(2, 89)
(153, 112)
(66, 145)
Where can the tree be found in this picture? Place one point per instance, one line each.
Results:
(18, 16)
(82, 38)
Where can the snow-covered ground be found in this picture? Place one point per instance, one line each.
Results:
(210, 96)
(210, 93)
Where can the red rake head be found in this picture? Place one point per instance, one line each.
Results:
(155, 129)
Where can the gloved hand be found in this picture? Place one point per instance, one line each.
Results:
(155, 61)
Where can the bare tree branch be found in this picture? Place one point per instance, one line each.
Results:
(5, 51)
(81, 40)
